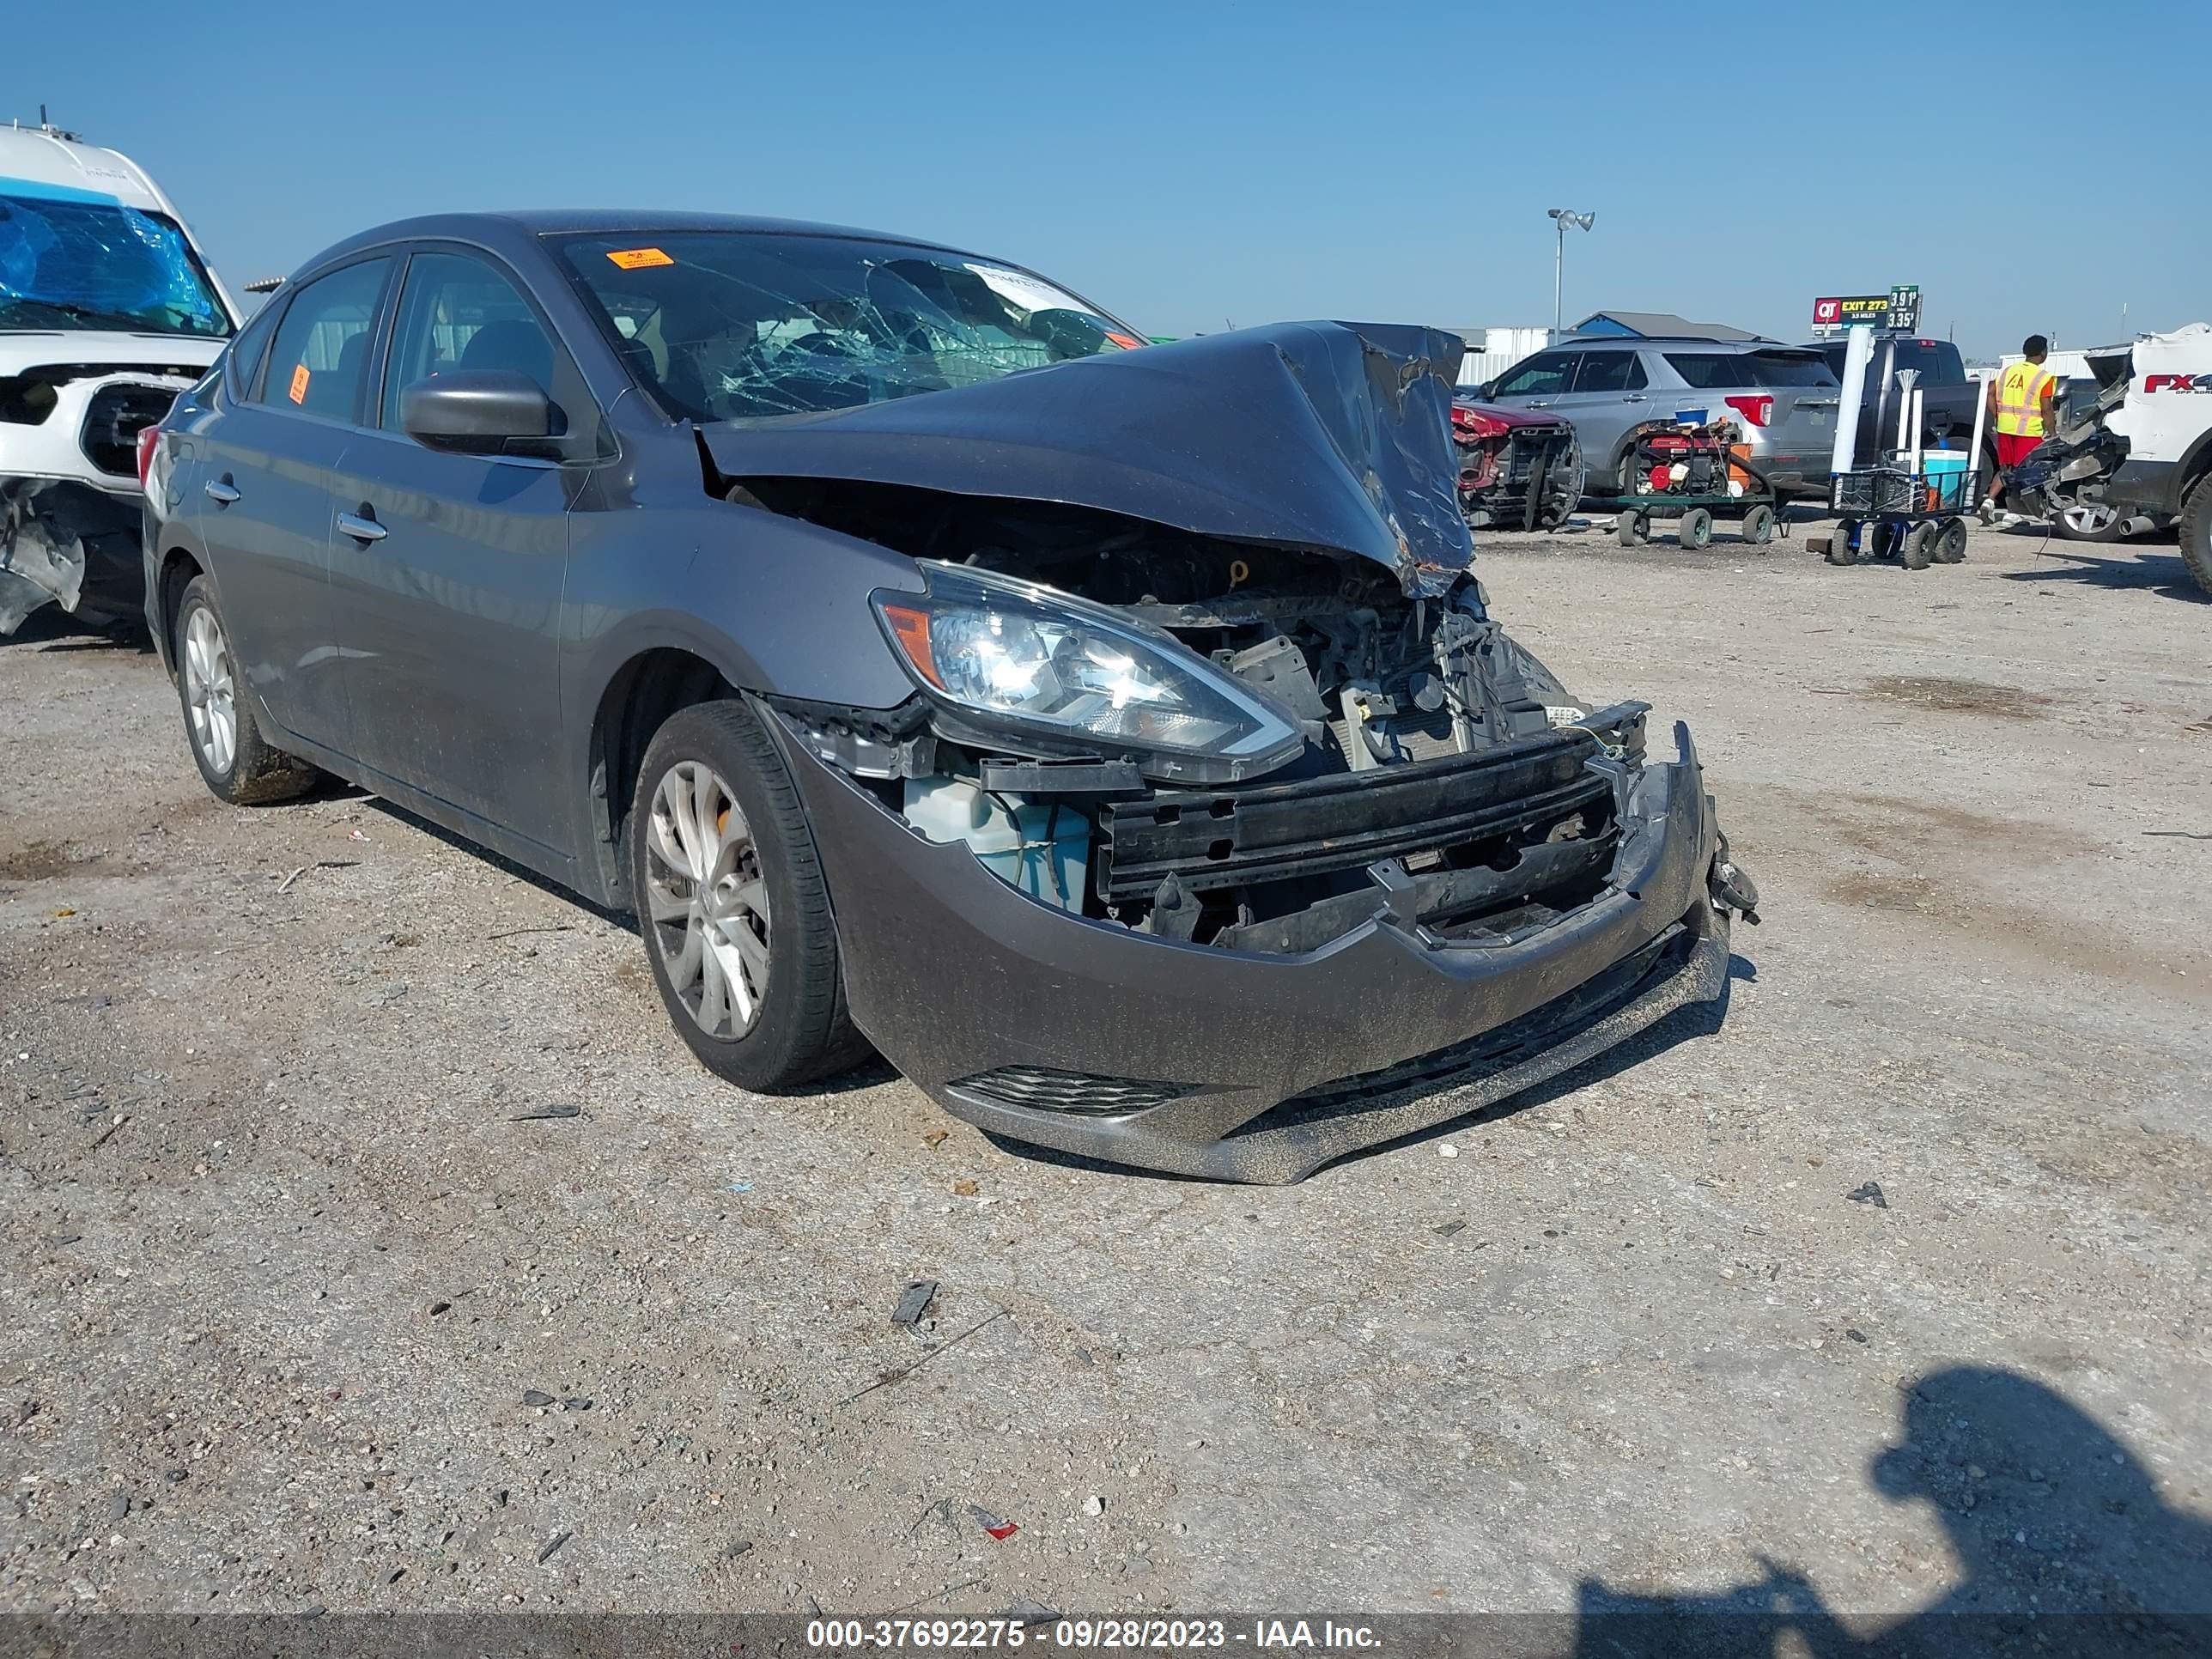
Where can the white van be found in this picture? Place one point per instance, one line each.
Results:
(107, 311)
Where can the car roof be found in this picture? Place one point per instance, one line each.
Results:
(59, 162)
(512, 227)
(1699, 341)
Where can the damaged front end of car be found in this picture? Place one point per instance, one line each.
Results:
(1226, 853)
(70, 504)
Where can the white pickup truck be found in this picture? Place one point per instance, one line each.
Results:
(2144, 447)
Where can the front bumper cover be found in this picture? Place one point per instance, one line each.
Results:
(1082, 1035)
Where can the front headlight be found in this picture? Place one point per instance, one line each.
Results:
(1016, 656)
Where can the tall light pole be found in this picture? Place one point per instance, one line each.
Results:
(1562, 218)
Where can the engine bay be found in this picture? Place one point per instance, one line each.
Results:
(1446, 778)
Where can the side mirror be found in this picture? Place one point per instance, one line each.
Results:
(493, 412)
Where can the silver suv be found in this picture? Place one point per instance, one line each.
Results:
(1784, 397)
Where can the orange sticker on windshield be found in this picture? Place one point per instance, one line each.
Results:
(299, 392)
(1127, 341)
(637, 258)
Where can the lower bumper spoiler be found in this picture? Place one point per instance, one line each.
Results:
(1048, 1028)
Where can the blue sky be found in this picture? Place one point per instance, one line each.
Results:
(1192, 165)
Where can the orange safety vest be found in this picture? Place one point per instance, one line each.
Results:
(2020, 399)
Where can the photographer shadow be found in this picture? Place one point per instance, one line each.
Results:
(2063, 1545)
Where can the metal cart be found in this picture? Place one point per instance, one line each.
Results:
(1693, 516)
(1892, 511)
(1708, 453)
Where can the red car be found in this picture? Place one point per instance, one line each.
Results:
(1516, 470)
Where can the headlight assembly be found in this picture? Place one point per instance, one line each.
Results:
(1002, 655)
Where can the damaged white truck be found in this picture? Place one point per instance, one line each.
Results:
(2143, 448)
(107, 311)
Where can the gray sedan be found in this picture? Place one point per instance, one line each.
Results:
(1113, 735)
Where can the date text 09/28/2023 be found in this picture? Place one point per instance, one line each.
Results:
(1089, 1635)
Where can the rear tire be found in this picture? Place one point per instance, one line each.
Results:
(1951, 541)
(1918, 550)
(239, 764)
(2093, 523)
(1759, 526)
(1696, 529)
(2197, 533)
(1629, 530)
(732, 904)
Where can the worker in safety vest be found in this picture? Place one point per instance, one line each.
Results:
(2024, 400)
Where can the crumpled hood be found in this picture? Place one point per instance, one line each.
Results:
(188, 354)
(1335, 436)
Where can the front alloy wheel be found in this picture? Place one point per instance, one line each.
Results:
(733, 903)
(707, 900)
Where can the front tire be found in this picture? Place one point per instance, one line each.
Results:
(238, 764)
(733, 906)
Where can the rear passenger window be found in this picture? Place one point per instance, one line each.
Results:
(1611, 371)
(320, 359)
(1711, 371)
(1729, 371)
(1788, 368)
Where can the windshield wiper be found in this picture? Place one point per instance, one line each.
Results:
(89, 317)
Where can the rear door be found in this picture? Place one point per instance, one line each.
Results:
(266, 466)
(1611, 394)
(447, 567)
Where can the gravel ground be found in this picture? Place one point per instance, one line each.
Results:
(309, 1301)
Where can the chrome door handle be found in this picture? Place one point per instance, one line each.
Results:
(1544, 404)
(221, 494)
(361, 529)
(1636, 397)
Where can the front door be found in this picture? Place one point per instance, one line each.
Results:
(448, 569)
(265, 470)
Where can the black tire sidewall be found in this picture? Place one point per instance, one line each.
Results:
(780, 1048)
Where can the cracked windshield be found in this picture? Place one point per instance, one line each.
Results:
(734, 325)
(84, 264)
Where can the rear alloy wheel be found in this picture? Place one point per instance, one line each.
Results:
(1695, 529)
(236, 762)
(2091, 522)
(2197, 533)
(733, 906)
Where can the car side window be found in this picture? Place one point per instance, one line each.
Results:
(458, 313)
(1543, 375)
(319, 361)
(1711, 371)
(242, 360)
(1611, 371)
